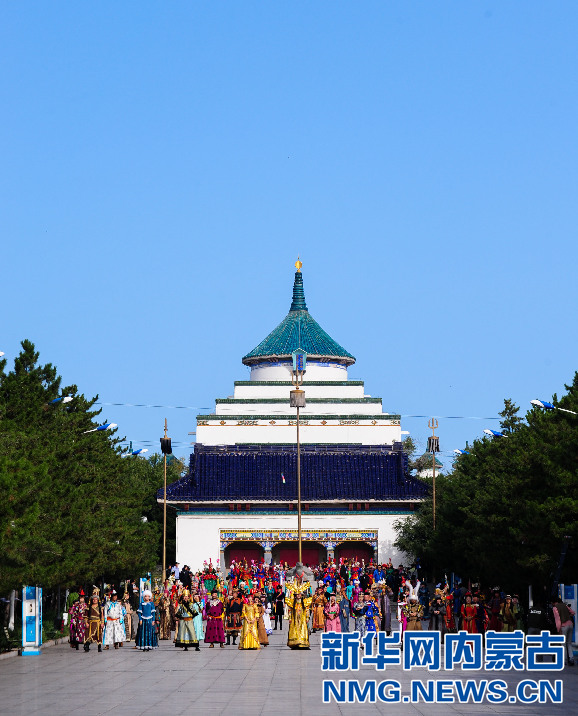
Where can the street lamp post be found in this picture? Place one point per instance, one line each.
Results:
(495, 433)
(548, 406)
(297, 400)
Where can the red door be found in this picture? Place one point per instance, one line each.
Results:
(289, 551)
(238, 551)
(354, 550)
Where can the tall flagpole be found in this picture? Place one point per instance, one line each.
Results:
(297, 400)
(300, 559)
(165, 517)
(166, 450)
(433, 447)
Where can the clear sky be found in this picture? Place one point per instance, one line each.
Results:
(164, 163)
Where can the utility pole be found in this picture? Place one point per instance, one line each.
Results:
(433, 446)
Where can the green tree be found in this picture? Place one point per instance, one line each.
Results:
(503, 511)
(74, 508)
(510, 421)
(416, 463)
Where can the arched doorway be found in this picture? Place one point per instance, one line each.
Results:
(354, 550)
(238, 551)
(312, 553)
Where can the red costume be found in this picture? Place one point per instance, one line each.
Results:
(469, 613)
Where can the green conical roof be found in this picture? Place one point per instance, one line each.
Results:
(298, 330)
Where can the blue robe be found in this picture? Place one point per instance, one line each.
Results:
(198, 620)
(370, 613)
(344, 614)
(146, 637)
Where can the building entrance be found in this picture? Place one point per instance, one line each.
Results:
(354, 550)
(312, 553)
(239, 551)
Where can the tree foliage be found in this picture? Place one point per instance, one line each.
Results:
(72, 508)
(416, 463)
(503, 511)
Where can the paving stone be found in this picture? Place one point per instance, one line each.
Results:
(223, 681)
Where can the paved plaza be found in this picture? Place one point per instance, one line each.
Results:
(274, 680)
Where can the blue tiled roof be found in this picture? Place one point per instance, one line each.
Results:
(248, 472)
(298, 330)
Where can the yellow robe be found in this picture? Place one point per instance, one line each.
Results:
(298, 599)
(249, 635)
(319, 604)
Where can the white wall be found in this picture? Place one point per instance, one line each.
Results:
(311, 391)
(249, 409)
(283, 371)
(282, 432)
(198, 536)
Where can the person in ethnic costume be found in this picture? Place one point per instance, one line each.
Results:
(508, 615)
(482, 618)
(449, 621)
(384, 606)
(187, 611)
(269, 591)
(359, 609)
(261, 629)
(78, 621)
(423, 597)
(233, 616)
(157, 600)
(372, 616)
(437, 613)
(413, 613)
(278, 606)
(332, 620)
(164, 615)
(113, 622)
(198, 617)
(95, 623)
(402, 601)
(214, 611)
(344, 613)
(128, 616)
(134, 599)
(494, 608)
(267, 616)
(147, 633)
(355, 591)
(469, 613)
(518, 611)
(298, 602)
(249, 633)
(319, 604)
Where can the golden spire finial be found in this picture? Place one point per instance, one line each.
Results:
(298, 264)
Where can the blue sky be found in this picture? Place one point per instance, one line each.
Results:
(164, 163)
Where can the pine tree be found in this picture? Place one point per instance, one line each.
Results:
(74, 508)
(510, 421)
(505, 509)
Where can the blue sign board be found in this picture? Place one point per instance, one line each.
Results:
(31, 620)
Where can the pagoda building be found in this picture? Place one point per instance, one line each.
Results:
(239, 497)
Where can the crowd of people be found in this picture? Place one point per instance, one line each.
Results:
(245, 605)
